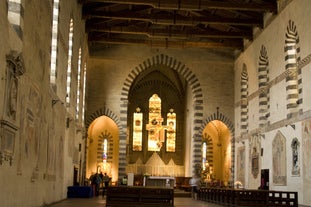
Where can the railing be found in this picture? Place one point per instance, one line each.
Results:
(256, 198)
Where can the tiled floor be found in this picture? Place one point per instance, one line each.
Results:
(100, 202)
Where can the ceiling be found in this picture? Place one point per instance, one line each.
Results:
(174, 23)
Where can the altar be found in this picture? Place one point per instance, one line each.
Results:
(159, 181)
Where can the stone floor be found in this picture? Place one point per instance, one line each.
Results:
(101, 202)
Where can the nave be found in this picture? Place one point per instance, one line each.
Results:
(101, 202)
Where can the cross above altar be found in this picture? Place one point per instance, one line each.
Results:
(155, 133)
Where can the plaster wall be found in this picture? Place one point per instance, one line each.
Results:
(3, 49)
(44, 146)
(273, 39)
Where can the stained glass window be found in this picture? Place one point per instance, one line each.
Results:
(171, 131)
(154, 127)
(137, 130)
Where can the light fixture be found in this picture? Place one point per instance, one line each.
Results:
(54, 101)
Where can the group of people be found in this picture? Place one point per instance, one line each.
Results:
(97, 180)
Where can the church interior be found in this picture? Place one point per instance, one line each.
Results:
(154, 91)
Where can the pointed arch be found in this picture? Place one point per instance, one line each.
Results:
(294, 76)
(264, 90)
(102, 112)
(196, 89)
(221, 117)
(244, 99)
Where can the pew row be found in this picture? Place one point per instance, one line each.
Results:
(254, 198)
(118, 196)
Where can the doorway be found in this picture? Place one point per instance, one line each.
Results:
(216, 154)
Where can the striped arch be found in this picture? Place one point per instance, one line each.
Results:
(244, 99)
(219, 116)
(16, 16)
(264, 91)
(102, 112)
(294, 78)
(197, 97)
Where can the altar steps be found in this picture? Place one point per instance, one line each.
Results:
(182, 193)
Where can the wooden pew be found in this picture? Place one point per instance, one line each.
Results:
(248, 198)
(119, 196)
(281, 198)
(256, 198)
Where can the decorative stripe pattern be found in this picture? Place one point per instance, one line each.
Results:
(102, 112)
(293, 79)
(197, 98)
(100, 148)
(264, 91)
(16, 16)
(244, 99)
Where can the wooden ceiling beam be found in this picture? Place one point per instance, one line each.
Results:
(168, 19)
(171, 33)
(166, 43)
(198, 4)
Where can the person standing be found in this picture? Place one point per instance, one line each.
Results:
(195, 183)
(96, 180)
(106, 180)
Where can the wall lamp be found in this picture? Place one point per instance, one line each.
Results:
(55, 101)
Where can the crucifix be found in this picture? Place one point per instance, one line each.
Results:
(155, 127)
(155, 133)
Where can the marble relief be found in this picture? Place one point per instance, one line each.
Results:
(8, 122)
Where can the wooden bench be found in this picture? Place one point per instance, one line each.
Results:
(282, 198)
(119, 196)
(248, 198)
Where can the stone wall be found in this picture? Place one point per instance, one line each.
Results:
(207, 71)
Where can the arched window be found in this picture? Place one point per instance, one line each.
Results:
(83, 99)
(171, 131)
(204, 151)
(154, 126)
(137, 130)
(53, 72)
(70, 43)
(78, 85)
(15, 16)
